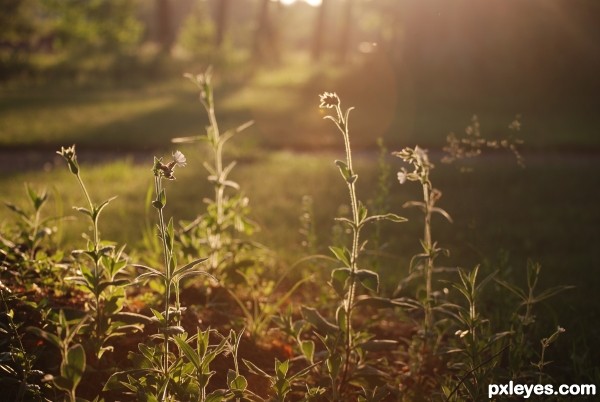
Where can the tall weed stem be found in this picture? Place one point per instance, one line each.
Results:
(330, 100)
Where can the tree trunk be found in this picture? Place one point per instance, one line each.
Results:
(165, 30)
(221, 23)
(317, 47)
(346, 32)
(266, 43)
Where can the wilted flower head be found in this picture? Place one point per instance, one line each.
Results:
(329, 100)
(166, 171)
(71, 158)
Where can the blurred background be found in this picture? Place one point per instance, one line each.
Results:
(107, 75)
(414, 69)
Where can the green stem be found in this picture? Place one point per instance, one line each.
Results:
(36, 223)
(91, 205)
(163, 232)
(354, 253)
(219, 188)
(429, 266)
(97, 307)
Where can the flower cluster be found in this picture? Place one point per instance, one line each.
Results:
(419, 159)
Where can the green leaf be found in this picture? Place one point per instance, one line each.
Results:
(170, 235)
(216, 396)
(362, 212)
(159, 316)
(189, 352)
(339, 278)
(308, 350)
(343, 169)
(231, 183)
(63, 383)
(16, 210)
(342, 254)
(236, 383)
(333, 365)
(316, 319)
(281, 368)
(443, 213)
(98, 209)
(84, 211)
(190, 266)
(47, 336)
(151, 271)
(388, 217)
(254, 369)
(173, 330)
(341, 318)
(368, 279)
(162, 197)
(73, 366)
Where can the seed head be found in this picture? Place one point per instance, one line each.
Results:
(71, 158)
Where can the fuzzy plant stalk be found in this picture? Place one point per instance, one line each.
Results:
(418, 158)
(224, 213)
(332, 101)
(218, 173)
(165, 171)
(97, 251)
(546, 342)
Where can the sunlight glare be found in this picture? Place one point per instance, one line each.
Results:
(313, 3)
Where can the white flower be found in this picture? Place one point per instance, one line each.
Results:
(179, 159)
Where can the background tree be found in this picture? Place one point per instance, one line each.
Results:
(346, 31)
(266, 48)
(166, 35)
(318, 36)
(223, 7)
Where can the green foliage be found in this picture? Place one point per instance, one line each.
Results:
(19, 379)
(226, 216)
(101, 272)
(197, 33)
(29, 251)
(346, 359)
(448, 342)
(94, 26)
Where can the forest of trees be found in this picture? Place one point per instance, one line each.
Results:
(518, 43)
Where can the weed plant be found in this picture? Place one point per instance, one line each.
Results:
(101, 271)
(457, 342)
(225, 214)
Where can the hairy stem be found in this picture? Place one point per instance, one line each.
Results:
(163, 235)
(349, 300)
(428, 244)
(219, 188)
(98, 321)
